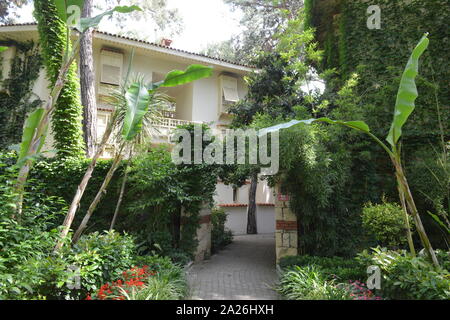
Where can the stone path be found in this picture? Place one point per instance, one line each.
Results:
(245, 270)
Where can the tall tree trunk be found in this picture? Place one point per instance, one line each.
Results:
(122, 191)
(251, 212)
(101, 192)
(87, 83)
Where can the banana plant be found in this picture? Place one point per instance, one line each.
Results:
(35, 131)
(404, 106)
(138, 98)
(130, 116)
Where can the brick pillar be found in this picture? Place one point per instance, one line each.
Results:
(286, 234)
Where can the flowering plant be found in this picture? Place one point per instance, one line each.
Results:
(359, 291)
(132, 280)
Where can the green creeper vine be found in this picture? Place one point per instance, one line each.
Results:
(66, 121)
(374, 59)
(16, 97)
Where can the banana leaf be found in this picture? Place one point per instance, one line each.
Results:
(138, 100)
(179, 77)
(407, 93)
(31, 125)
(439, 221)
(358, 125)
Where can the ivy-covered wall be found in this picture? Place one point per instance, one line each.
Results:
(379, 56)
(66, 120)
(372, 61)
(16, 97)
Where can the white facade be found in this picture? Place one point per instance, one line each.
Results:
(203, 101)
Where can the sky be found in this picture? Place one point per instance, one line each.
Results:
(205, 21)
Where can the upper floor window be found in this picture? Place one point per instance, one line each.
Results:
(229, 89)
(228, 92)
(111, 67)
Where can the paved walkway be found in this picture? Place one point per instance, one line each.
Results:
(245, 270)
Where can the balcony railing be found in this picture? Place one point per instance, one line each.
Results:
(163, 127)
(170, 122)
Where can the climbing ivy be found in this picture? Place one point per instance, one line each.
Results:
(372, 61)
(66, 121)
(16, 96)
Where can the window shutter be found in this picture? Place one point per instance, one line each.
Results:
(230, 89)
(111, 67)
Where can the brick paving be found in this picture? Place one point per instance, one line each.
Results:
(245, 270)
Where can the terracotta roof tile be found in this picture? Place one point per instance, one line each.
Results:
(141, 41)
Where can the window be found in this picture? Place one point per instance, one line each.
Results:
(228, 92)
(111, 67)
(230, 89)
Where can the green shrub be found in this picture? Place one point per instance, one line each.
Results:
(386, 222)
(308, 283)
(444, 259)
(407, 277)
(27, 245)
(220, 237)
(29, 269)
(337, 268)
(62, 177)
(100, 258)
(162, 191)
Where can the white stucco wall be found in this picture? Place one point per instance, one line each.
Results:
(265, 219)
(237, 219)
(224, 194)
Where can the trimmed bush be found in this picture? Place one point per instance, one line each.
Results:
(386, 222)
(220, 237)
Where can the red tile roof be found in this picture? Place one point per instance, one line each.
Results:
(233, 205)
(142, 41)
(238, 205)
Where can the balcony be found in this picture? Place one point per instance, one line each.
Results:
(163, 127)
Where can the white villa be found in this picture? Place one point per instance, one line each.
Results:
(203, 101)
